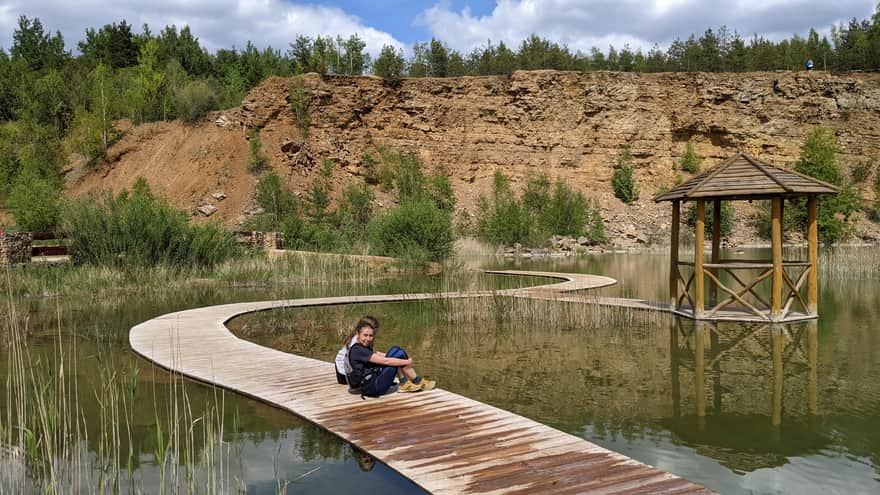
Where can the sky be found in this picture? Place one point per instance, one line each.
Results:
(461, 24)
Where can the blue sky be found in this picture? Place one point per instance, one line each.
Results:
(462, 24)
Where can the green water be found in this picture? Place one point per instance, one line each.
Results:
(762, 421)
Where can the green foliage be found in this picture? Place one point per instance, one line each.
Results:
(355, 209)
(113, 45)
(818, 159)
(36, 48)
(327, 166)
(195, 100)
(276, 200)
(141, 229)
(257, 160)
(708, 218)
(389, 64)
(690, 161)
(623, 182)
(317, 202)
(371, 168)
(416, 230)
(144, 93)
(300, 99)
(539, 213)
(48, 103)
(818, 156)
(860, 172)
(35, 203)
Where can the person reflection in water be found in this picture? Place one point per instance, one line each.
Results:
(365, 461)
(372, 373)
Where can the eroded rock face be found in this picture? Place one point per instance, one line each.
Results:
(574, 123)
(566, 124)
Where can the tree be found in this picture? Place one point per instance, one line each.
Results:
(48, 103)
(38, 49)
(355, 59)
(35, 203)
(150, 81)
(439, 58)
(622, 181)
(690, 161)
(420, 63)
(389, 64)
(113, 45)
(818, 159)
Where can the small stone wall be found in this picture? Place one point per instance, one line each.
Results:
(261, 240)
(273, 240)
(15, 247)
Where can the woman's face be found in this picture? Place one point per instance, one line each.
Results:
(365, 336)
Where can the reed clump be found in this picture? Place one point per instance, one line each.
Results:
(50, 443)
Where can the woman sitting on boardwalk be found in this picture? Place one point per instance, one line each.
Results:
(373, 372)
(350, 340)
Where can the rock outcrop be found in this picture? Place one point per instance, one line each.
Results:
(569, 125)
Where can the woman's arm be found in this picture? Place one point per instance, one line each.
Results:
(379, 358)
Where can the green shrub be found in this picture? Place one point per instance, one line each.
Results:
(538, 214)
(504, 221)
(565, 214)
(276, 200)
(356, 209)
(625, 187)
(313, 236)
(818, 159)
(860, 172)
(35, 203)
(257, 160)
(138, 228)
(195, 100)
(440, 190)
(690, 161)
(317, 202)
(416, 230)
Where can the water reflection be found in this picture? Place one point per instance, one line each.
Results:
(753, 395)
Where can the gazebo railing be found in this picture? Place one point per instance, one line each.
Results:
(761, 307)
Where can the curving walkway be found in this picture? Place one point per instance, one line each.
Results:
(443, 442)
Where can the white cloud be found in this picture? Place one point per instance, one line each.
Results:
(582, 24)
(217, 23)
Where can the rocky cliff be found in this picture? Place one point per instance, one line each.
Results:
(568, 125)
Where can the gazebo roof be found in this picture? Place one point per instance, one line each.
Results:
(743, 177)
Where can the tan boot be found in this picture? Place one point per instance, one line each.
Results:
(410, 387)
(427, 384)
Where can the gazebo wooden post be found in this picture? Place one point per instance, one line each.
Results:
(699, 238)
(776, 239)
(673, 253)
(776, 344)
(716, 249)
(812, 256)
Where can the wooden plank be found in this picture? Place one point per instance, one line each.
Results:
(812, 256)
(699, 239)
(443, 442)
(673, 252)
(776, 241)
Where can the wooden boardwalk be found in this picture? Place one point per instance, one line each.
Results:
(443, 442)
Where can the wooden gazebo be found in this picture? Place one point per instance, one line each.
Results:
(741, 177)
